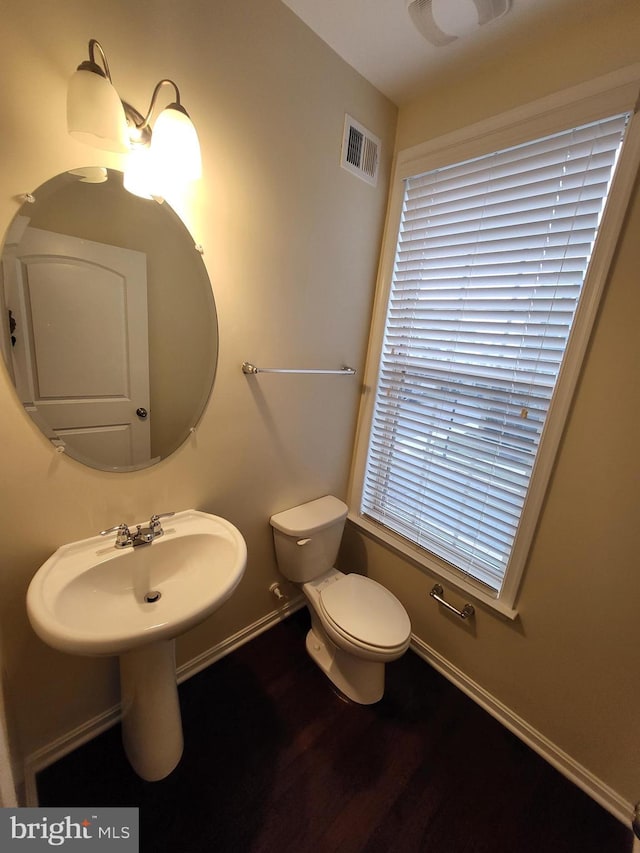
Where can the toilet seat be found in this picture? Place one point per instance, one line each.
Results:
(365, 613)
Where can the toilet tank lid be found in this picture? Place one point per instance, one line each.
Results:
(311, 517)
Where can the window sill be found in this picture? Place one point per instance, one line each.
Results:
(422, 561)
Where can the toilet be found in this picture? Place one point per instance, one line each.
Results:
(356, 624)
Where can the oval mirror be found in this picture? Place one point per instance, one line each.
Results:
(109, 328)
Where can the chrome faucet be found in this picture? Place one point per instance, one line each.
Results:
(141, 535)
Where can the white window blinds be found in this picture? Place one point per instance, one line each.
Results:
(491, 257)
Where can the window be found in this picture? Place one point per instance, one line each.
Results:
(489, 265)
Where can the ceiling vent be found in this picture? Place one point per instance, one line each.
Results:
(444, 21)
(360, 151)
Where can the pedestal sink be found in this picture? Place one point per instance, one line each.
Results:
(91, 598)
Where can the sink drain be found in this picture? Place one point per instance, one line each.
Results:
(152, 596)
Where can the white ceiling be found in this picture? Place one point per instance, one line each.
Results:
(378, 39)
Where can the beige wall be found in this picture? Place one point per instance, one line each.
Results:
(568, 665)
(291, 243)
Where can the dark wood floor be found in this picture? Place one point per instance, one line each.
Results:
(276, 761)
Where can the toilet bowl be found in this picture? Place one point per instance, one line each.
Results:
(357, 625)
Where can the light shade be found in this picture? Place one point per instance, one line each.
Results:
(455, 18)
(175, 149)
(95, 114)
(442, 22)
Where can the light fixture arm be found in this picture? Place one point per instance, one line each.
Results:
(154, 97)
(140, 128)
(91, 64)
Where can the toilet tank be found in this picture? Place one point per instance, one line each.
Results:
(307, 537)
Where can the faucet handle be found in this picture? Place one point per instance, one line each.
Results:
(154, 522)
(124, 534)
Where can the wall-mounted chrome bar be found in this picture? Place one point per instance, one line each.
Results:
(251, 369)
(437, 592)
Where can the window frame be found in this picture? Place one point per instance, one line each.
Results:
(615, 93)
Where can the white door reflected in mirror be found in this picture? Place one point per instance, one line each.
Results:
(80, 353)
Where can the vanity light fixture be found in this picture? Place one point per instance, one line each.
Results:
(97, 115)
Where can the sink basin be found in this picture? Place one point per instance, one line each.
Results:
(91, 598)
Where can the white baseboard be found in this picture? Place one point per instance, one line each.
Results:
(202, 661)
(66, 743)
(580, 776)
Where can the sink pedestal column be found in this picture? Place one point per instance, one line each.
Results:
(151, 721)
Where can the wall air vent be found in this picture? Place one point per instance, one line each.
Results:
(360, 151)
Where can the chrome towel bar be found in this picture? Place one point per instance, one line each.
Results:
(437, 592)
(251, 369)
